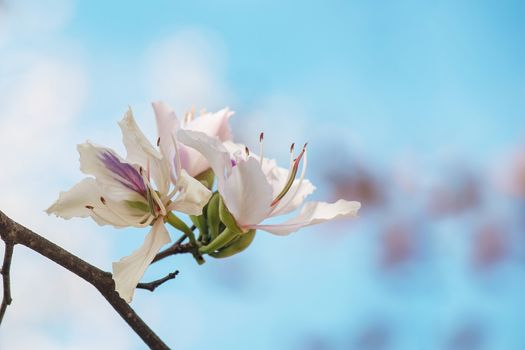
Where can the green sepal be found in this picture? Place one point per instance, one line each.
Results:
(227, 218)
(206, 178)
(220, 241)
(237, 246)
(138, 205)
(200, 222)
(180, 225)
(212, 216)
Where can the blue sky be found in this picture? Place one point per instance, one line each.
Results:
(428, 70)
(420, 94)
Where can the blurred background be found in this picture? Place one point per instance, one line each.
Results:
(414, 108)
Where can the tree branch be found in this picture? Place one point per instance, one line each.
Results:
(6, 267)
(175, 248)
(151, 286)
(14, 233)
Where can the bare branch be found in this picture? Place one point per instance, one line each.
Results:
(14, 233)
(6, 267)
(151, 286)
(175, 248)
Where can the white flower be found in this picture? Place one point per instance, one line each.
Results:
(254, 188)
(136, 192)
(212, 124)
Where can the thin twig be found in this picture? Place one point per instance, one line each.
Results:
(6, 267)
(14, 233)
(151, 286)
(175, 248)
(181, 239)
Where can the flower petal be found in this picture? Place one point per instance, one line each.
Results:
(247, 193)
(141, 152)
(117, 177)
(213, 124)
(167, 126)
(193, 195)
(84, 199)
(129, 270)
(211, 148)
(314, 213)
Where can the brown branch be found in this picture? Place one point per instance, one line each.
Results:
(151, 286)
(175, 248)
(14, 233)
(6, 267)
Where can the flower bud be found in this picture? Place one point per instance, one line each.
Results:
(206, 178)
(227, 218)
(236, 246)
(212, 216)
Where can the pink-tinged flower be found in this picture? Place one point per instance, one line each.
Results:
(132, 192)
(254, 188)
(215, 125)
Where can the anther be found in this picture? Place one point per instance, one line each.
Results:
(103, 200)
(261, 147)
(158, 141)
(90, 207)
(247, 150)
(292, 147)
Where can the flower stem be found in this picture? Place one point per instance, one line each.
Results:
(180, 225)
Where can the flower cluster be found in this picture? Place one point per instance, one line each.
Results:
(177, 174)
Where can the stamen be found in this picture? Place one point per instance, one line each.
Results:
(148, 168)
(291, 154)
(157, 200)
(247, 150)
(291, 177)
(188, 117)
(261, 147)
(158, 142)
(301, 178)
(155, 197)
(90, 207)
(173, 192)
(141, 223)
(103, 200)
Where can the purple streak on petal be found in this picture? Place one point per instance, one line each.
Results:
(127, 174)
(233, 162)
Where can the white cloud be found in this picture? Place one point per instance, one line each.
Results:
(283, 121)
(186, 70)
(41, 99)
(32, 19)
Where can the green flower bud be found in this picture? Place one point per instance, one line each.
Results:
(220, 241)
(200, 222)
(236, 246)
(212, 216)
(206, 178)
(228, 219)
